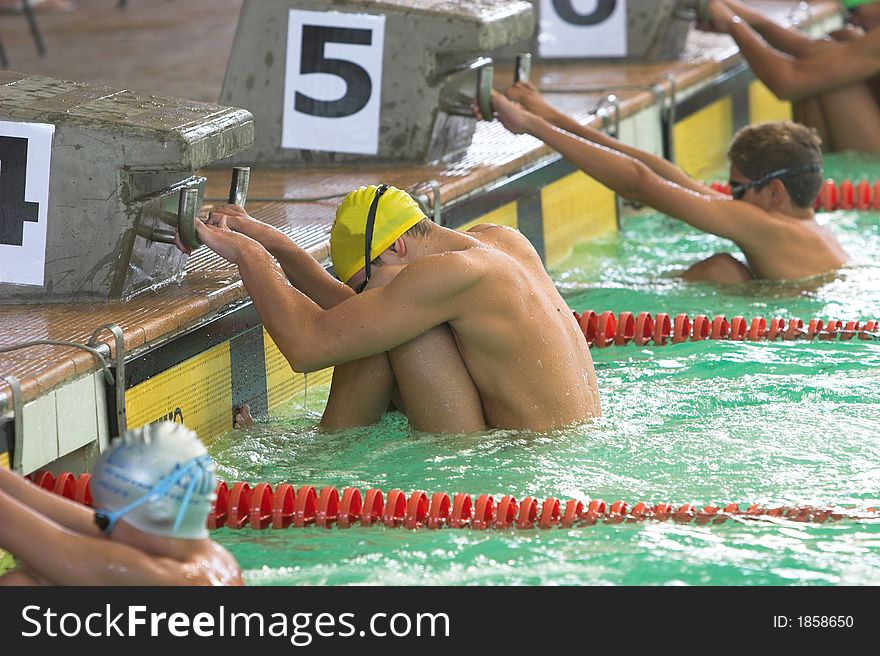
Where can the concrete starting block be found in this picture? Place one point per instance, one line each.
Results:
(385, 81)
(93, 181)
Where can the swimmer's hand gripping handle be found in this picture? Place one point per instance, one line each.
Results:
(187, 211)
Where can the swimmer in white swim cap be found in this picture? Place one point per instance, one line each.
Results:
(153, 489)
(160, 479)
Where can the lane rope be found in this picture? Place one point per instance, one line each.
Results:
(607, 329)
(262, 506)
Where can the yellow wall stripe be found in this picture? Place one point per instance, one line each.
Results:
(504, 215)
(197, 392)
(764, 106)
(284, 385)
(701, 140)
(575, 208)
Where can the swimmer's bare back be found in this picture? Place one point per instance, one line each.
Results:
(541, 354)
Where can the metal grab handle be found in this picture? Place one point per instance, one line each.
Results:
(609, 103)
(16, 404)
(187, 213)
(460, 100)
(238, 190)
(523, 67)
(485, 80)
(432, 206)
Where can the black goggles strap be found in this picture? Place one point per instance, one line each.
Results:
(368, 234)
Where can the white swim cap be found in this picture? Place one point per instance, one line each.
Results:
(158, 478)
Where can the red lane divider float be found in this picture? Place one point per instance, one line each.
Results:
(603, 330)
(261, 507)
(846, 195)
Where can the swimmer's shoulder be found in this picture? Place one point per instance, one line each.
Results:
(498, 236)
(212, 566)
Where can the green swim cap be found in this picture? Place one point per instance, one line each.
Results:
(852, 4)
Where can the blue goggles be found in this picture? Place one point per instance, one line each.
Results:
(106, 519)
(739, 189)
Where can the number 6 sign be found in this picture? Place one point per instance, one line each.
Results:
(333, 82)
(582, 28)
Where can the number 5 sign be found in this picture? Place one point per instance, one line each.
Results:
(582, 28)
(333, 82)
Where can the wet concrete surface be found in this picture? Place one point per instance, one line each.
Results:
(167, 47)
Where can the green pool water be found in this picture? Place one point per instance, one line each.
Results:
(786, 422)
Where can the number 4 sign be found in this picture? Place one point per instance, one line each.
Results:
(582, 28)
(333, 82)
(25, 154)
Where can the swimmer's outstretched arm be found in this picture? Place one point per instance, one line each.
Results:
(529, 97)
(302, 270)
(68, 513)
(787, 39)
(633, 179)
(794, 78)
(65, 557)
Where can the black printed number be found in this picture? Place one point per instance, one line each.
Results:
(604, 8)
(14, 209)
(359, 87)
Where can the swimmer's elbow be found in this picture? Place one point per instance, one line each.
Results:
(785, 90)
(308, 360)
(641, 186)
(303, 364)
(790, 83)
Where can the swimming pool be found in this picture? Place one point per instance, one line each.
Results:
(783, 422)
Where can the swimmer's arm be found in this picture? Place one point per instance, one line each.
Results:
(714, 213)
(302, 270)
(65, 557)
(68, 513)
(659, 165)
(375, 321)
(621, 173)
(741, 222)
(790, 78)
(788, 39)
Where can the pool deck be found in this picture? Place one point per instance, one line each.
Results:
(174, 51)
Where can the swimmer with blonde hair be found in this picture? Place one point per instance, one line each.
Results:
(510, 329)
(153, 489)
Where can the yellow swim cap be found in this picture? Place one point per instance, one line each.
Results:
(396, 213)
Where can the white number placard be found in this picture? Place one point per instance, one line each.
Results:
(582, 28)
(333, 82)
(25, 157)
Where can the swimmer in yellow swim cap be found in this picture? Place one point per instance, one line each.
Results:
(424, 378)
(833, 81)
(402, 278)
(153, 489)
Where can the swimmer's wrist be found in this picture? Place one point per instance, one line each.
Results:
(534, 123)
